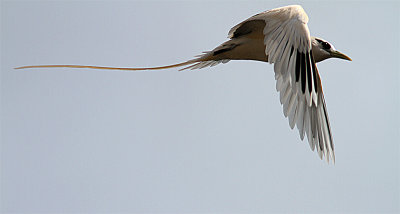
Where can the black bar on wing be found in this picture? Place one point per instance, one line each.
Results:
(297, 66)
(303, 73)
(309, 72)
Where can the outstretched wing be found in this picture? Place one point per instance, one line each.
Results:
(288, 45)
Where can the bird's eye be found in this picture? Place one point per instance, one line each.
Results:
(326, 45)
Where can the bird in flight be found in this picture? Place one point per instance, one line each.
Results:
(279, 36)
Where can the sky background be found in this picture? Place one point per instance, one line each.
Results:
(203, 141)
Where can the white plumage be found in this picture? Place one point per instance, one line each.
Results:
(286, 37)
(280, 36)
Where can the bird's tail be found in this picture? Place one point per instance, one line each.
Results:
(107, 68)
(201, 61)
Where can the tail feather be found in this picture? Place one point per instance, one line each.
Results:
(109, 68)
(201, 61)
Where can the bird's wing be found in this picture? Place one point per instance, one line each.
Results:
(288, 45)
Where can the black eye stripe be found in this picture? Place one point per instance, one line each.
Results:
(326, 45)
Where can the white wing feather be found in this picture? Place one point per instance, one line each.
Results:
(288, 46)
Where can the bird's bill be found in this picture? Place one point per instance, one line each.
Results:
(337, 54)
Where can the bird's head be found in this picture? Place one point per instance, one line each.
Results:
(324, 50)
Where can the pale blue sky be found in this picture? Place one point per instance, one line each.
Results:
(204, 141)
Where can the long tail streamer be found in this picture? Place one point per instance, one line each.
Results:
(109, 68)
